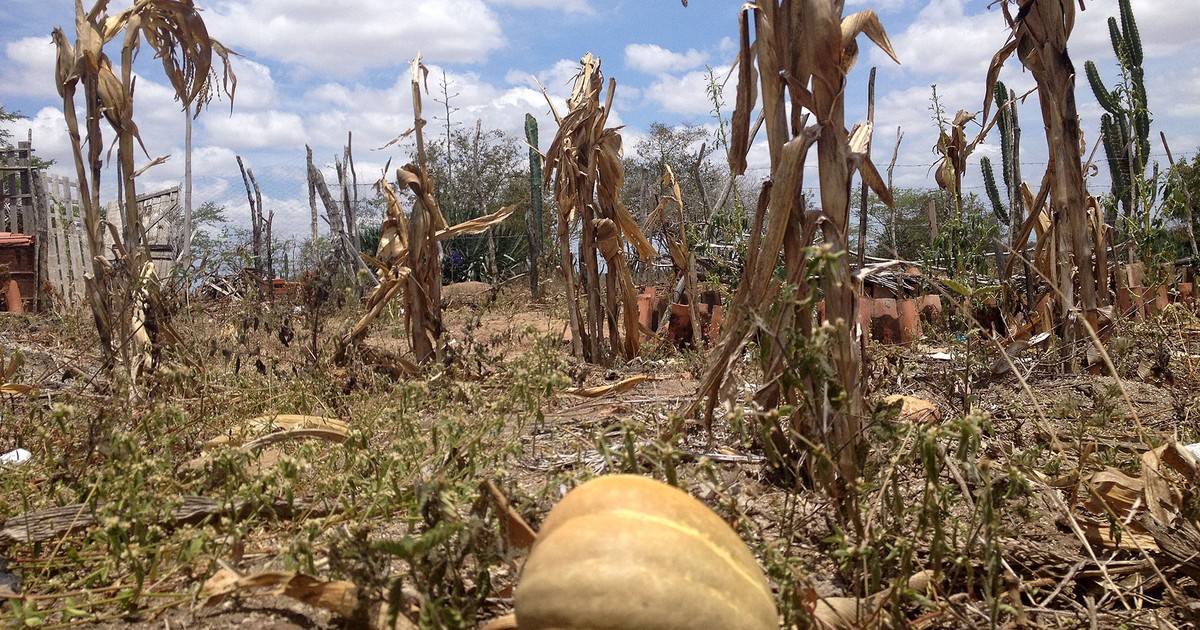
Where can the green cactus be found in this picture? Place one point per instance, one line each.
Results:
(1115, 139)
(1125, 128)
(1000, 95)
(1132, 39)
(993, 193)
(535, 171)
(1118, 40)
(1110, 101)
(1005, 126)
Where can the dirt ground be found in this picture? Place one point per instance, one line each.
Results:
(1030, 450)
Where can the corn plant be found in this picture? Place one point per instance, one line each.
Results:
(179, 38)
(800, 56)
(408, 259)
(1039, 34)
(584, 164)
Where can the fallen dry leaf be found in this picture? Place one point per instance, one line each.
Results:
(915, 410)
(619, 387)
(337, 596)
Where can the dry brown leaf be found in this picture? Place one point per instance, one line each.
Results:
(1111, 490)
(476, 225)
(338, 596)
(18, 389)
(509, 621)
(1100, 534)
(915, 410)
(867, 23)
(1162, 499)
(619, 387)
(284, 421)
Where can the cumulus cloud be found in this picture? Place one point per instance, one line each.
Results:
(255, 130)
(686, 94)
(566, 6)
(348, 37)
(28, 69)
(654, 59)
(944, 40)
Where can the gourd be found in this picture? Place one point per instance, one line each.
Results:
(623, 552)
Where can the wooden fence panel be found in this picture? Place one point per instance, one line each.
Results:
(66, 256)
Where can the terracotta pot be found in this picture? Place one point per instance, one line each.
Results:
(646, 312)
(885, 322)
(1155, 298)
(1129, 301)
(12, 298)
(931, 309)
(865, 306)
(910, 321)
(711, 318)
(1187, 293)
(679, 326)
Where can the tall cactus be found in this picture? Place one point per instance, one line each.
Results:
(1125, 127)
(533, 217)
(1005, 125)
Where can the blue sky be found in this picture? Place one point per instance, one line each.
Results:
(312, 70)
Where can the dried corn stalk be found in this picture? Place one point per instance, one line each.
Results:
(176, 32)
(681, 254)
(584, 163)
(396, 262)
(1040, 31)
(408, 259)
(799, 57)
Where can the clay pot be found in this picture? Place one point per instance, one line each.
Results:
(647, 315)
(1155, 298)
(1129, 301)
(679, 326)
(1187, 293)
(12, 298)
(910, 321)
(865, 306)
(713, 331)
(885, 322)
(931, 309)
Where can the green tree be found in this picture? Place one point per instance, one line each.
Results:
(477, 172)
(677, 147)
(7, 116)
(961, 244)
(1181, 194)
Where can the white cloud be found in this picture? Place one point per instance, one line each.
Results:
(654, 59)
(348, 37)
(29, 68)
(1166, 28)
(566, 6)
(943, 40)
(255, 130)
(687, 94)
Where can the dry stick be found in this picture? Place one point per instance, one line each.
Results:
(891, 167)
(699, 181)
(255, 214)
(312, 205)
(862, 198)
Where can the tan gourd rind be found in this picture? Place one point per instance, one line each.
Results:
(624, 552)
